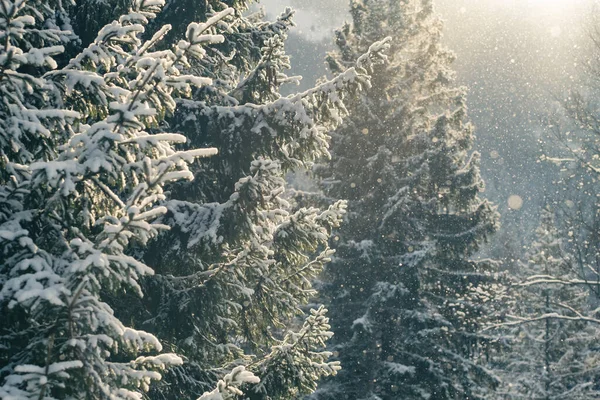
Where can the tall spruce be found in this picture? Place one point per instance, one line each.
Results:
(84, 167)
(234, 271)
(551, 331)
(237, 266)
(406, 299)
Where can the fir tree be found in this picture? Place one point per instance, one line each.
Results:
(82, 176)
(225, 285)
(550, 332)
(235, 269)
(406, 298)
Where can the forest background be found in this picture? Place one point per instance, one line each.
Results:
(512, 90)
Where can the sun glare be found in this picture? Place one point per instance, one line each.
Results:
(548, 5)
(552, 11)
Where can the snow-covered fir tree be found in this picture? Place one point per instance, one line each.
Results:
(406, 299)
(575, 150)
(231, 276)
(88, 16)
(84, 166)
(551, 335)
(238, 264)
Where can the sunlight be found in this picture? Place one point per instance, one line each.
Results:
(542, 12)
(550, 15)
(550, 3)
(547, 6)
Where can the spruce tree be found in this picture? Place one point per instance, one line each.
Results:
(550, 333)
(405, 296)
(216, 272)
(234, 271)
(84, 166)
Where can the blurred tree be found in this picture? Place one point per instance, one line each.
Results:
(575, 129)
(551, 334)
(406, 298)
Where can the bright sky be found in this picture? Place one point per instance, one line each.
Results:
(317, 18)
(540, 10)
(547, 4)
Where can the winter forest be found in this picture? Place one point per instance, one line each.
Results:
(299, 199)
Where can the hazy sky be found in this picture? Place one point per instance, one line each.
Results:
(515, 56)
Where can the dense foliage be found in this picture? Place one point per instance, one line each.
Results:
(107, 257)
(407, 300)
(81, 180)
(150, 246)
